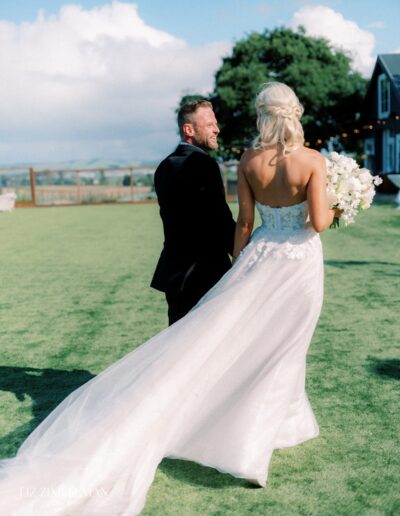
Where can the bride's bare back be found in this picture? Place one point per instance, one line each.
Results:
(268, 176)
(279, 180)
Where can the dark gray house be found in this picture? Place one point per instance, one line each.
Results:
(381, 116)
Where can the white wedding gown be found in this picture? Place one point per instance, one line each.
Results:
(224, 387)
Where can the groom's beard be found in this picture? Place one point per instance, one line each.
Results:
(207, 144)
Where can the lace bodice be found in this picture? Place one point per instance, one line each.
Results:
(287, 218)
(284, 233)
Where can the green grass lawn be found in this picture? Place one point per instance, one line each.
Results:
(75, 297)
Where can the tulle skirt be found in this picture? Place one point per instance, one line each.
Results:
(224, 387)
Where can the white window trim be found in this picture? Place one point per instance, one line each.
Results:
(381, 78)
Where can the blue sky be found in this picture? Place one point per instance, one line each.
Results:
(101, 79)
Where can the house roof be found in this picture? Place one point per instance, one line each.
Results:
(391, 63)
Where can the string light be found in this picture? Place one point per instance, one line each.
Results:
(356, 130)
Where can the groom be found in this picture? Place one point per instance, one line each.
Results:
(198, 224)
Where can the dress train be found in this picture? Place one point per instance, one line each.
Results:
(224, 387)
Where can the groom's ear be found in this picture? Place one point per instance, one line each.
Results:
(188, 129)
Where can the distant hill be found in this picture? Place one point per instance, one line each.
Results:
(94, 163)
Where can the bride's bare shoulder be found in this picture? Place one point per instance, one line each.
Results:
(309, 157)
(248, 155)
(251, 157)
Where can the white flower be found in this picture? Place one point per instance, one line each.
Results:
(350, 188)
(334, 156)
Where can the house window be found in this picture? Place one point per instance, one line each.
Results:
(388, 142)
(369, 146)
(383, 96)
(369, 152)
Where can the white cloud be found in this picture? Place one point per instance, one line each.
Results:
(319, 20)
(97, 82)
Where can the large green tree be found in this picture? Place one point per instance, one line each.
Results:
(330, 91)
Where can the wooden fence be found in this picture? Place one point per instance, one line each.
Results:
(64, 186)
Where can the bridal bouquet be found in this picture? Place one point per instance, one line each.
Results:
(350, 188)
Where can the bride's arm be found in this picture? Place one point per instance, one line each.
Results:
(245, 221)
(320, 215)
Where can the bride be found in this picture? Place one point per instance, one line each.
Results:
(224, 386)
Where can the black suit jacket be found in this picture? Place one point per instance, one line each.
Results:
(198, 224)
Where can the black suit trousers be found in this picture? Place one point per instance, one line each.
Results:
(180, 303)
(204, 275)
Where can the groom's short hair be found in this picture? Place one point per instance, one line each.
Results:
(186, 111)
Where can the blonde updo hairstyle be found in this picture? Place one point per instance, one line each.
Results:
(278, 117)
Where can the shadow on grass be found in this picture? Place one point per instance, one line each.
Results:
(341, 264)
(46, 387)
(198, 475)
(387, 367)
